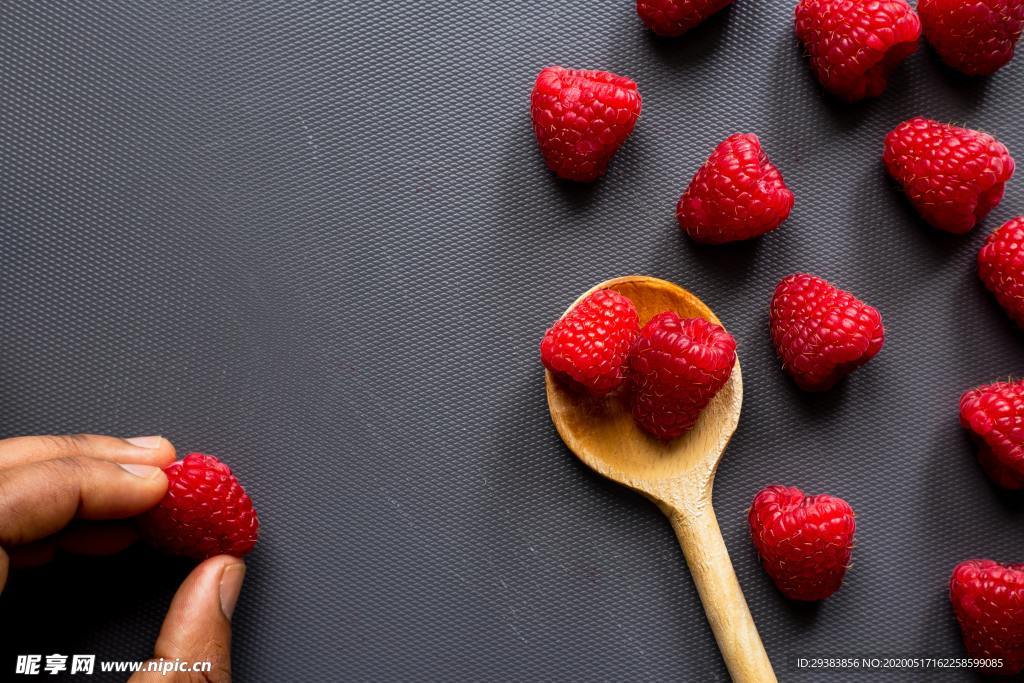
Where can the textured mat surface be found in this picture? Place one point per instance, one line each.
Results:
(317, 239)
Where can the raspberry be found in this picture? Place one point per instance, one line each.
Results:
(804, 542)
(206, 512)
(821, 332)
(953, 176)
(975, 37)
(676, 17)
(1001, 267)
(854, 44)
(736, 195)
(994, 415)
(581, 118)
(988, 599)
(589, 345)
(676, 367)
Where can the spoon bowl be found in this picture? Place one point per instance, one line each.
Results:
(602, 432)
(677, 475)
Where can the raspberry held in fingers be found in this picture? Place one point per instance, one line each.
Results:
(206, 512)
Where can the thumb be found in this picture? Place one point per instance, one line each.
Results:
(197, 628)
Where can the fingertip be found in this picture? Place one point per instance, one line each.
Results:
(231, 580)
(198, 624)
(226, 574)
(213, 582)
(151, 477)
(118, 490)
(155, 450)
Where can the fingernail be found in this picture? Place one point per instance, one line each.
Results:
(145, 441)
(230, 587)
(144, 471)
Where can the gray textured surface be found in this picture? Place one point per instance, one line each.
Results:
(318, 240)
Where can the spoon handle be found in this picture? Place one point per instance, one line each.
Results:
(724, 604)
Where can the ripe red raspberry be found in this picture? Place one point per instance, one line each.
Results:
(994, 414)
(676, 367)
(1001, 267)
(589, 345)
(953, 176)
(854, 44)
(974, 37)
(676, 17)
(581, 118)
(736, 195)
(821, 332)
(988, 599)
(206, 512)
(804, 542)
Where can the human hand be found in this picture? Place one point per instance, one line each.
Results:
(92, 486)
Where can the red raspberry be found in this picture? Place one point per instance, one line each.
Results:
(975, 37)
(821, 332)
(994, 414)
(854, 44)
(676, 17)
(1001, 267)
(206, 512)
(804, 542)
(953, 176)
(581, 118)
(589, 345)
(677, 366)
(737, 194)
(988, 599)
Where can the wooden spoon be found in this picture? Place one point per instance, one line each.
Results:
(677, 475)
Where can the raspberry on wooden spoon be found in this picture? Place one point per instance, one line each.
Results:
(589, 345)
(677, 365)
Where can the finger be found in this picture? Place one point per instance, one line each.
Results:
(198, 623)
(149, 450)
(40, 499)
(97, 538)
(34, 554)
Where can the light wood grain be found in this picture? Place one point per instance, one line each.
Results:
(677, 475)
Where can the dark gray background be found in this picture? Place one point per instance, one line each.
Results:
(317, 239)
